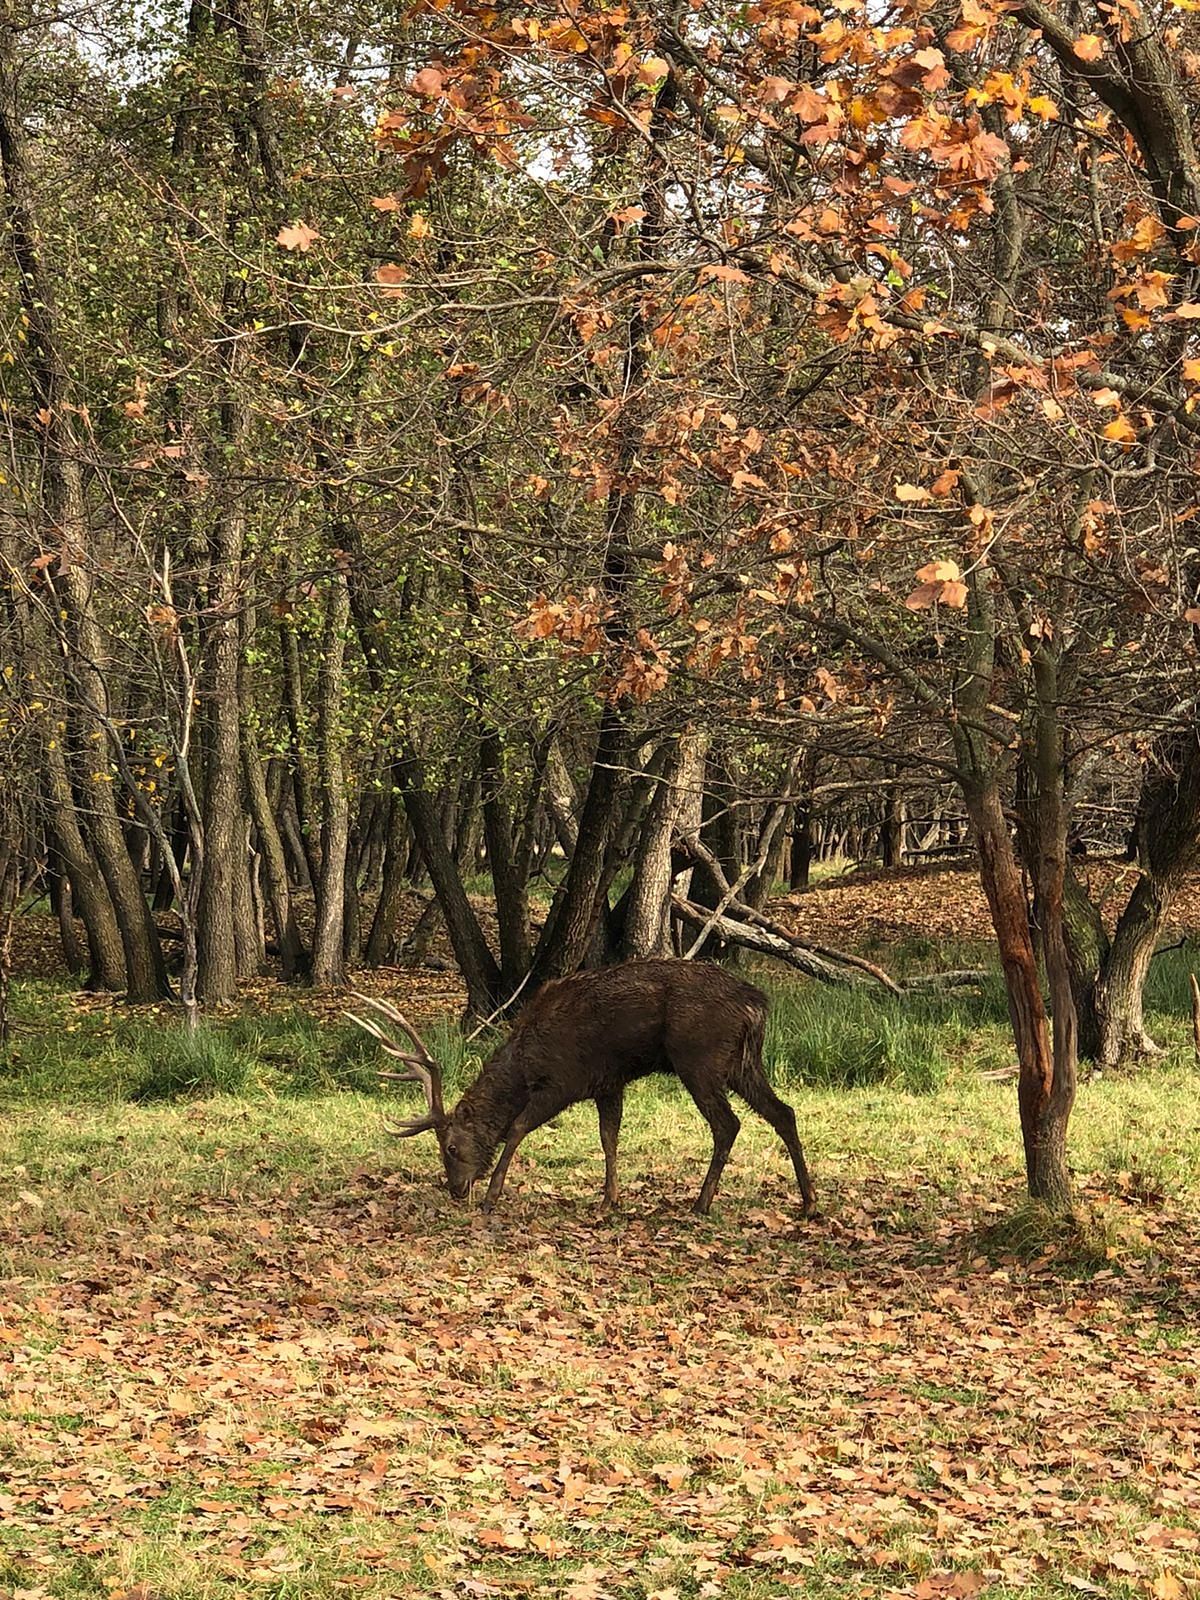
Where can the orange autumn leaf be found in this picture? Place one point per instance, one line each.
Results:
(940, 572)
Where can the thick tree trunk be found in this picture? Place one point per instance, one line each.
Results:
(646, 926)
(356, 850)
(581, 900)
(1087, 951)
(1121, 982)
(106, 954)
(247, 922)
(1043, 1119)
(891, 832)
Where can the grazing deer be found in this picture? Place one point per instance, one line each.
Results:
(586, 1038)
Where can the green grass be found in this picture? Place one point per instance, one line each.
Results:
(864, 1036)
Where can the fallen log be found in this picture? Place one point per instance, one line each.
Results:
(749, 937)
(963, 979)
(741, 913)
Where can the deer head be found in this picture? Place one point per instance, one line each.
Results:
(466, 1155)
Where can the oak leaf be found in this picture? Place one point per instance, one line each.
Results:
(296, 236)
(940, 572)
(391, 278)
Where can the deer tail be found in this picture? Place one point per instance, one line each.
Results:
(750, 1067)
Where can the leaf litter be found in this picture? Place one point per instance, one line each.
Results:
(422, 1400)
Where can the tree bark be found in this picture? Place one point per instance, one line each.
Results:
(84, 654)
(800, 864)
(247, 924)
(1088, 951)
(1044, 1136)
(59, 886)
(646, 929)
(106, 954)
(216, 938)
(891, 832)
(382, 939)
(292, 956)
(329, 966)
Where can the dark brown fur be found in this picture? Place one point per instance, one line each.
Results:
(587, 1037)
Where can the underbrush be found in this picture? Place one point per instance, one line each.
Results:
(858, 1037)
(817, 1036)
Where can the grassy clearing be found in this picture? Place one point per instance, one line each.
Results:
(250, 1347)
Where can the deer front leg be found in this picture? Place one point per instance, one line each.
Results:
(610, 1107)
(539, 1109)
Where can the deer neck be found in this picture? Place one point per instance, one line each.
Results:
(494, 1100)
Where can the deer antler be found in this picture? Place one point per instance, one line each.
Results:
(420, 1064)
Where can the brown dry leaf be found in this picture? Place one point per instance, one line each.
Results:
(391, 277)
(297, 236)
(1167, 1587)
(923, 598)
(940, 572)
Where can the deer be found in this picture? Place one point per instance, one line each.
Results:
(587, 1037)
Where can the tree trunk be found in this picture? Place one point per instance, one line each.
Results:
(293, 706)
(59, 886)
(1043, 1125)
(646, 929)
(292, 958)
(106, 955)
(891, 833)
(216, 938)
(247, 924)
(329, 966)
(1088, 951)
(1119, 987)
(578, 906)
(359, 834)
(382, 940)
(800, 863)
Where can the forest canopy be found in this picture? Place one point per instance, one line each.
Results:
(609, 447)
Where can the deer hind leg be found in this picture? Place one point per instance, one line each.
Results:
(539, 1109)
(720, 1116)
(759, 1096)
(610, 1107)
